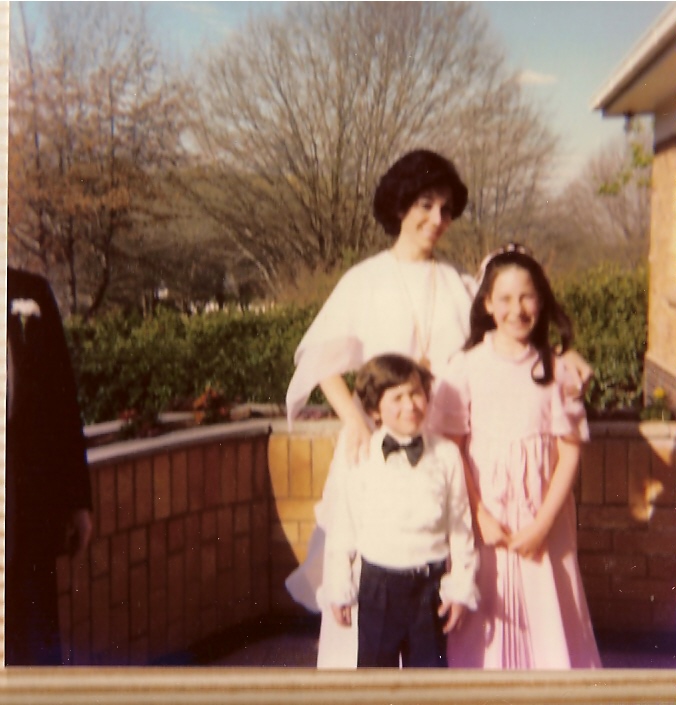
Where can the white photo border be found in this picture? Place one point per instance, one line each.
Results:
(200, 685)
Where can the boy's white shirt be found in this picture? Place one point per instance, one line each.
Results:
(398, 516)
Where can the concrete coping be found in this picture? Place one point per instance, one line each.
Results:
(309, 427)
(124, 450)
(651, 430)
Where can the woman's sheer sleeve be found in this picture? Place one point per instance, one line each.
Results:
(450, 407)
(332, 344)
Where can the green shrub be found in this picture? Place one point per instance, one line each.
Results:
(167, 361)
(249, 356)
(608, 306)
(125, 364)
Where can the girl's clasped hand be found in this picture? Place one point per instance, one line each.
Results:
(527, 542)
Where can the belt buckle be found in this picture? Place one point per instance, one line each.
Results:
(423, 570)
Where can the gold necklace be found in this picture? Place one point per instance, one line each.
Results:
(423, 337)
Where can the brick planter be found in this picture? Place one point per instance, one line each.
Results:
(180, 546)
(196, 531)
(627, 526)
(626, 497)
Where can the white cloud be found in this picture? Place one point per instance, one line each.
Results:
(533, 78)
(200, 9)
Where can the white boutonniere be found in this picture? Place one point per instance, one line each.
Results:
(24, 309)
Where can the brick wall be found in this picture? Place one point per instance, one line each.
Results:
(627, 526)
(180, 546)
(299, 464)
(626, 494)
(195, 532)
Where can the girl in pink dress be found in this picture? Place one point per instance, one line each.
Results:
(502, 398)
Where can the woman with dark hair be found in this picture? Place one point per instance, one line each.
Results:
(403, 300)
(396, 301)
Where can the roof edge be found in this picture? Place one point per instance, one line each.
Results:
(646, 50)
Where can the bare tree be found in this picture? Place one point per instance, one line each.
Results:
(290, 125)
(505, 152)
(92, 119)
(605, 212)
(300, 115)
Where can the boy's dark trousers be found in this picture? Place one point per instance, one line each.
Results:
(398, 617)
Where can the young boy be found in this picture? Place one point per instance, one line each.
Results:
(404, 511)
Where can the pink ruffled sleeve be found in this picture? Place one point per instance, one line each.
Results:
(449, 413)
(568, 414)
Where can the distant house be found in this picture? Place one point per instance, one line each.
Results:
(645, 84)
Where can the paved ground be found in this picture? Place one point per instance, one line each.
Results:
(293, 650)
(296, 646)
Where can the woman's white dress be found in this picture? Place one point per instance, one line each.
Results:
(379, 306)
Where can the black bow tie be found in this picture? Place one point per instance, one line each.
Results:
(414, 449)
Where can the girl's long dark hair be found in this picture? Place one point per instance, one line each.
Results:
(551, 312)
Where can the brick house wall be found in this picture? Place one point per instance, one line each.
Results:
(643, 85)
(660, 361)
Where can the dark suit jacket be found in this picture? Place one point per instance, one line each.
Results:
(47, 474)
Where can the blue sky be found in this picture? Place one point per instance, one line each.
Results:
(566, 52)
(574, 48)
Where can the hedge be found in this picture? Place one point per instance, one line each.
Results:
(165, 362)
(609, 308)
(125, 363)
